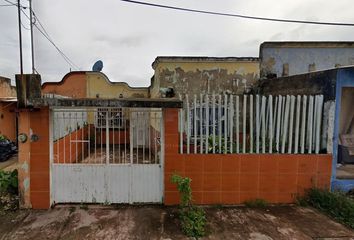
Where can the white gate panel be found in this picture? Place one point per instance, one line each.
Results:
(147, 186)
(118, 183)
(78, 183)
(114, 155)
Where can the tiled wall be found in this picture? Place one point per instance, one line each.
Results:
(39, 160)
(235, 178)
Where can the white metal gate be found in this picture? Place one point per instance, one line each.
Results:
(106, 155)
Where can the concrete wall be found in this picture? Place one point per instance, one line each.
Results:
(291, 58)
(196, 75)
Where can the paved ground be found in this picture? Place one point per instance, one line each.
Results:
(155, 222)
(10, 164)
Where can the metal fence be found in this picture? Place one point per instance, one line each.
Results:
(250, 124)
(106, 135)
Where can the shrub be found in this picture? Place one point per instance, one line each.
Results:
(8, 191)
(193, 219)
(335, 204)
(9, 182)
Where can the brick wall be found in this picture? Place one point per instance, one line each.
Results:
(235, 178)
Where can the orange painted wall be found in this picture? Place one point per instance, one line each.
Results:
(116, 136)
(39, 160)
(8, 120)
(78, 151)
(73, 85)
(235, 178)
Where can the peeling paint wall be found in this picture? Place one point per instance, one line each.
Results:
(286, 59)
(200, 77)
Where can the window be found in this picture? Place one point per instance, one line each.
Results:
(115, 118)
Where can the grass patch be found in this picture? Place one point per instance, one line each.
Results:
(335, 204)
(256, 203)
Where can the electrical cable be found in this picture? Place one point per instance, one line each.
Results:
(239, 15)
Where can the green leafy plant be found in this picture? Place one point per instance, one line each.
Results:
(8, 191)
(256, 203)
(2, 138)
(9, 181)
(193, 219)
(335, 204)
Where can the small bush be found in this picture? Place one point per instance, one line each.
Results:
(335, 204)
(8, 191)
(9, 182)
(256, 203)
(193, 219)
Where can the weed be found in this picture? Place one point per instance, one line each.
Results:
(335, 204)
(256, 203)
(84, 206)
(9, 182)
(193, 219)
(72, 209)
(8, 191)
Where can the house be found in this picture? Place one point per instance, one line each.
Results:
(279, 59)
(203, 75)
(8, 120)
(88, 84)
(238, 137)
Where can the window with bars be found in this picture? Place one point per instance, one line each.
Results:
(115, 118)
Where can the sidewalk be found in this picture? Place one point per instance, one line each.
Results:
(157, 222)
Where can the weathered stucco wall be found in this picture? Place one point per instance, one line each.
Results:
(195, 75)
(291, 58)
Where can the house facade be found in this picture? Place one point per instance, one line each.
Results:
(203, 75)
(279, 59)
(8, 120)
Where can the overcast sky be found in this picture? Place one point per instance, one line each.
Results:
(128, 37)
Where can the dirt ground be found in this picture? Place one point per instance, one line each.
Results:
(157, 222)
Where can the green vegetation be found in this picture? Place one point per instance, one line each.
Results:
(83, 206)
(2, 138)
(193, 219)
(9, 182)
(335, 204)
(8, 191)
(256, 203)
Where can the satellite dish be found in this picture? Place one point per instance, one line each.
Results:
(97, 67)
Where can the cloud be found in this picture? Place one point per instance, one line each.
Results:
(128, 37)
